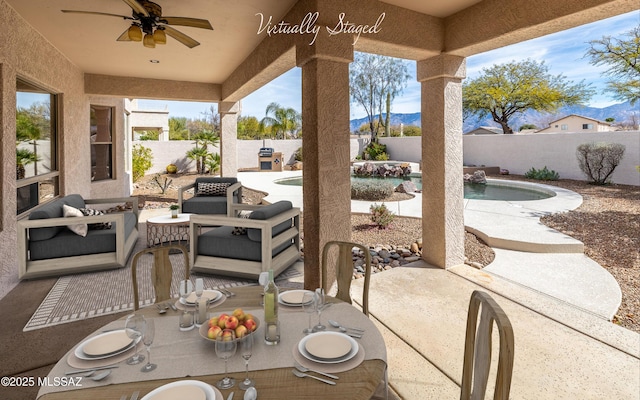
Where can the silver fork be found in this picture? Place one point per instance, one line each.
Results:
(226, 292)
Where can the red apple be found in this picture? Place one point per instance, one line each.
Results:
(227, 335)
(231, 322)
(250, 325)
(222, 319)
(213, 322)
(241, 331)
(212, 333)
(239, 313)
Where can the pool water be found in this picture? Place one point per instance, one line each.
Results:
(491, 191)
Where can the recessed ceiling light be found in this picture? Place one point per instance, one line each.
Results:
(154, 61)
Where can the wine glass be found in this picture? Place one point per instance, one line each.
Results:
(319, 300)
(134, 327)
(225, 349)
(309, 306)
(199, 288)
(246, 348)
(147, 339)
(186, 320)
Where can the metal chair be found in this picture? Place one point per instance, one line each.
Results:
(344, 271)
(477, 349)
(161, 271)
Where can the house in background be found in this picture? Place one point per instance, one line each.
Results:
(577, 123)
(485, 130)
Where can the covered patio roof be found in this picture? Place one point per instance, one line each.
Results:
(77, 56)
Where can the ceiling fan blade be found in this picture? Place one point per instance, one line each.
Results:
(137, 7)
(96, 13)
(124, 37)
(181, 37)
(193, 22)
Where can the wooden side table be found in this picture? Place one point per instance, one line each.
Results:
(164, 230)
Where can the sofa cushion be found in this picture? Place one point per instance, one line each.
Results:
(266, 212)
(220, 242)
(72, 212)
(52, 210)
(67, 243)
(212, 188)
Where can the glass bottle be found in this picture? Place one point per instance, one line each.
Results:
(271, 325)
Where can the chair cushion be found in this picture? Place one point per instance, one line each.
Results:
(205, 205)
(220, 242)
(266, 212)
(212, 188)
(52, 210)
(67, 243)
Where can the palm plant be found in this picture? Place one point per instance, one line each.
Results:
(198, 154)
(213, 163)
(281, 120)
(24, 157)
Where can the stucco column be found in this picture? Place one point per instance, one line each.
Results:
(229, 138)
(442, 183)
(325, 151)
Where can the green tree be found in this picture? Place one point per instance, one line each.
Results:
(24, 157)
(374, 82)
(178, 129)
(249, 128)
(199, 155)
(282, 121)
(622, 57)
(33, 124)
(504, 90)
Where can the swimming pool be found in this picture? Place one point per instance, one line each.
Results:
(493, 190)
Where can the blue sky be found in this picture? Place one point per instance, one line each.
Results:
(562, 52)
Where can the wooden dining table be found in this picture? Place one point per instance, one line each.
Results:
(272, 365)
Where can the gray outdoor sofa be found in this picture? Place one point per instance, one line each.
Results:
(47, 247)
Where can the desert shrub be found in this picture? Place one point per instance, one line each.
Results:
(599, 160)
(162, 182)
(412, 130)
(298, 154)
(542, 174)
(371, 191)
(377, 151)
(141, 158)
(381, 215)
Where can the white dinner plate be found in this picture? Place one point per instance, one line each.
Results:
(187, 389)
(104, 345)
(212, 295)
(292, 298)
(326, 339)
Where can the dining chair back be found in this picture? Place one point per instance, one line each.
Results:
(477, 349)
(161, 271)
(344, 270)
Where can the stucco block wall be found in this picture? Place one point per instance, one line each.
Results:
(406, 148)
(518, 153)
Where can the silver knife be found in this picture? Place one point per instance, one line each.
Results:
(230, 396)
(90, 369)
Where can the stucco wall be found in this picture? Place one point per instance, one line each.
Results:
(518, 153)
(25, 54)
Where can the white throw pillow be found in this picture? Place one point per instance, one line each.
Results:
(71, 212)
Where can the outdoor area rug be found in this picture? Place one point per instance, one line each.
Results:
(88, 295)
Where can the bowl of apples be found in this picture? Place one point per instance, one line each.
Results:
(240, 322)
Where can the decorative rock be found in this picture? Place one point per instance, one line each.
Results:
(414, 247)
(477, 177)
(384, 253)
(411, 259)
(406, 187)
(476, 265)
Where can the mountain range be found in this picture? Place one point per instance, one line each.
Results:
(622, 112)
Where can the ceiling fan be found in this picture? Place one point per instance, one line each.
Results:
(147, 17)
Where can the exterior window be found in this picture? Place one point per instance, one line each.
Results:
(101, 134)
(587, 126)
(37, 173)
(564, 127)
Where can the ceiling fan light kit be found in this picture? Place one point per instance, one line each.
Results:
(147, 17)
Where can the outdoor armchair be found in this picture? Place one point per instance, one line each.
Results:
(212, 195)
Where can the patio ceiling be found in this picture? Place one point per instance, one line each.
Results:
(89, 41)
(226, 58)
